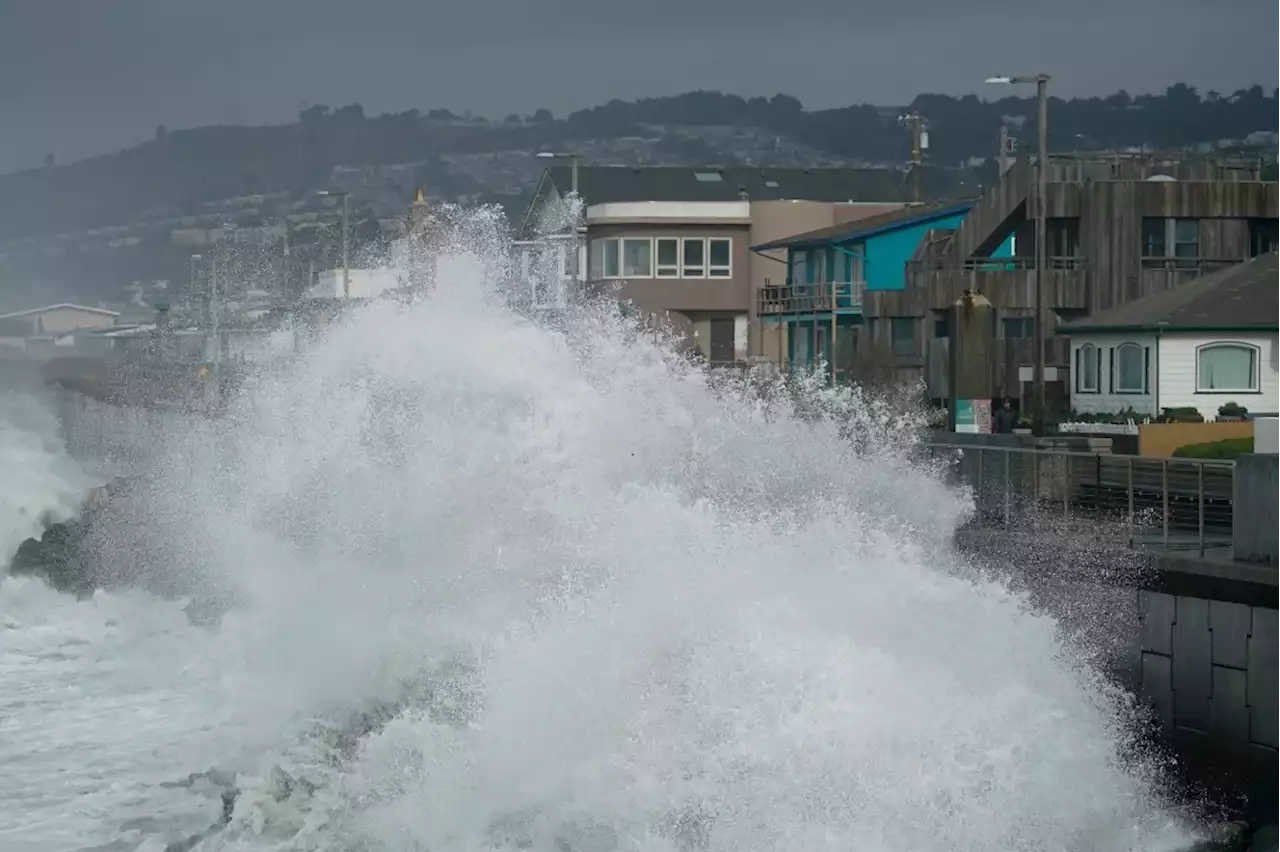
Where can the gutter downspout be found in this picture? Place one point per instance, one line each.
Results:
(1155, 380)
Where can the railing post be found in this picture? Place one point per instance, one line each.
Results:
(1035, 478)
(1129, 477)
(1005, 487)
(981, 504)
(1067, 490)
(1164, 499)
(1200, 501)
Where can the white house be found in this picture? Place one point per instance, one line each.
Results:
(1202, 345)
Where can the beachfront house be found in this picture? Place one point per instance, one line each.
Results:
(1201, 345)
(829, 273)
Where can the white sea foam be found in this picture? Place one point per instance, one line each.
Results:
(600, 604)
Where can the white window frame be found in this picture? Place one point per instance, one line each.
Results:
(598, 259)
(1255, 379)
(1087, 379)
(720, 270)
(665, 270)
(1116, 372)
(688, 270)
(622, 257)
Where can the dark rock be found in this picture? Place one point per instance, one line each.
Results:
(57, 556)
(229, 804)
(1266, 839)
(1226, 837)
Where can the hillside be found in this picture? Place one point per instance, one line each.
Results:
(250, 176)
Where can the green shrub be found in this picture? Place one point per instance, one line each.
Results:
(1185, 414)
(1227, 448)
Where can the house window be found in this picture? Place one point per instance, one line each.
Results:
(1154, 233)
(695, 258)
(719, 257)
(1227, 367)
(1163, 237)
(1087, 369)
(1018, 328)
(941, 323)
(603, 262)
(637, 258)
(1186, 237)
(668, 257)
(902, 336)
(1062, 236)
(1262, 236)
(1130, 369)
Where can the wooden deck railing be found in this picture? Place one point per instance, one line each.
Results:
(809, 298)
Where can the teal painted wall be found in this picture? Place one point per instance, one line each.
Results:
(887, 253)
(884, 256)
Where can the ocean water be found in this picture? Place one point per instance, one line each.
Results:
(496, 586)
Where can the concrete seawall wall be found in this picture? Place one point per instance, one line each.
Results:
(1256, 488)
(1209, 669)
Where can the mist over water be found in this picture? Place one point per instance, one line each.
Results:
(585, 601)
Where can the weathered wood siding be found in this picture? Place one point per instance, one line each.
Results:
(1008, 288)
(985, 218)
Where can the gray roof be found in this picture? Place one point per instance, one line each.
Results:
(1243, 297)
(608, 184)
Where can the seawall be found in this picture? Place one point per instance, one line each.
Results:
(1188, 553)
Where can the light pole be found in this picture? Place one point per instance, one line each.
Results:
(1042, 169)
(346, 269)
(191, 296)
(573, 157)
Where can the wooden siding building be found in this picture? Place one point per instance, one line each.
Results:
(1118, 229)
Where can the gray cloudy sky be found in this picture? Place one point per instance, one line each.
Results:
(79, 77)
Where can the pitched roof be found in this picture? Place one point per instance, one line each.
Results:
(863, 228)
(1242, 297)
(30, 312)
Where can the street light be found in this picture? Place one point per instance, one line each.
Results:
(1041, 82)
(346, 270)
(573, 157)
(191, 292)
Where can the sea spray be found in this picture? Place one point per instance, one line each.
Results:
(604, 605)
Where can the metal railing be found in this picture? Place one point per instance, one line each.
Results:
(810, 298)
(1197, 265)
(1171, 503)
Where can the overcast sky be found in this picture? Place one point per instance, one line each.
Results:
(79, 77)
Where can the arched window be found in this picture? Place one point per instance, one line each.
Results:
(1224, 367)
(1130, 369)
(1087, 369)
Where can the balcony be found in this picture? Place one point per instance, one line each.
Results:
(1009, 282)
(823, 297)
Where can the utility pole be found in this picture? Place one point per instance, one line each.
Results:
(346, 268)
(192, 294)
(919, 141)
(284, 266)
